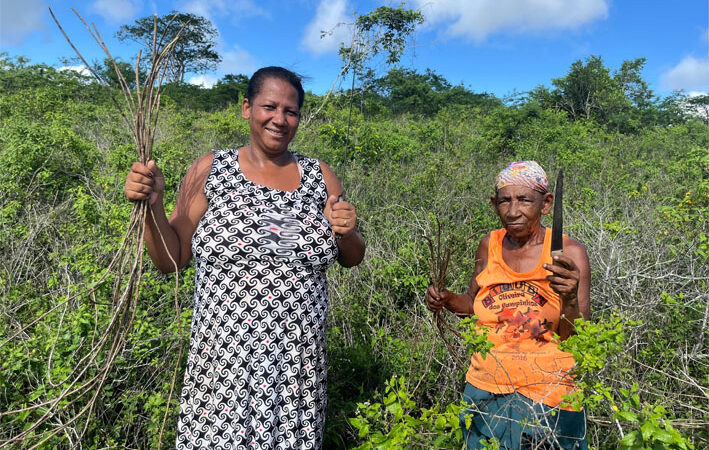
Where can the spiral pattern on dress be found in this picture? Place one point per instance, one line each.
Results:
(256, 369)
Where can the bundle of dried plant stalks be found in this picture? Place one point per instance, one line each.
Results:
(81, 388)
(440, 257)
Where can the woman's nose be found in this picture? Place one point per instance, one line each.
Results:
(513, 210)
(279, 118)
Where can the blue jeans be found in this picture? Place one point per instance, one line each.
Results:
(518, 422)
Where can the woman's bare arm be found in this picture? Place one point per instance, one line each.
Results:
(169, 241)
(342, 216)
(462, 304)
(572, 281)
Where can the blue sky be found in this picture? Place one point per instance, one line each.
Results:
(496, 46)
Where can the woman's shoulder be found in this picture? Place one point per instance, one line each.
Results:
(199, 170)
(485, 240)
(481, 254)
(308, 161)
(204, 160)
(484, 245)
(575, 249)
(203, 164)
(333, 184)
(493, 236)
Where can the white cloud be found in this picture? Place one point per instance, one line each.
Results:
(331, 17)
(237, 61)
(478, 19)
(206, 81)
(81, 69)
(116, 11)
(18, 19)
(691, 74)
(691, 94)
(234, 9)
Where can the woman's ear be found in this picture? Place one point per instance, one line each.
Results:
(246, 109)
(493, 202)
(547, 203)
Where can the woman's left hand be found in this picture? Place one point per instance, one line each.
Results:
(564, 279)
(342, 216)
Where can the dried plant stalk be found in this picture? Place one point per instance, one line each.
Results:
(439, 261)
(140, 110)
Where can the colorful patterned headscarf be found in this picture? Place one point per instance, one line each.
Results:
(523, 173)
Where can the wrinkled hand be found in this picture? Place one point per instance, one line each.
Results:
(144, 182)
(564, 279)
(436, 300)
(342, 216)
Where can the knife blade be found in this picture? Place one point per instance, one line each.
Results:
(557, 228)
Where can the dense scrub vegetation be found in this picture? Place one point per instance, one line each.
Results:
(637, 171)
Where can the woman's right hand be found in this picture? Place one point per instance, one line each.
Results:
(436, 300)
(144, 182)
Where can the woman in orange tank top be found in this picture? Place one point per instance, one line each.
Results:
(524, 297)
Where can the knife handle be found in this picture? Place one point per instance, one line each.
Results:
(557, 253)
(340, 198)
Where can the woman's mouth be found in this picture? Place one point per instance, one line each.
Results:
(276, 133)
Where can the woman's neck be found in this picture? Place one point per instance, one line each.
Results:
(531, 240)
(260, 159)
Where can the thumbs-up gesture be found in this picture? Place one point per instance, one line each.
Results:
(341, 214)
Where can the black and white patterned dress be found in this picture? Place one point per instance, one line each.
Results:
(256, 371)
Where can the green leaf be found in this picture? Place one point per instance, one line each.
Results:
(627, 416)
(629, 439)
(396, 411)
(664, 436)
(648, 429)
(440, 423)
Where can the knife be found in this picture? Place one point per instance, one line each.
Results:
(557, 228)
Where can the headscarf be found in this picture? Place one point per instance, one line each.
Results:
(523, 173)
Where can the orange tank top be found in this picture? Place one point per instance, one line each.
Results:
(522, 312)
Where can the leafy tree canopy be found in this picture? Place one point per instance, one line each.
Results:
(405, 90)
(108, 72)
(230, 90)
(383, 30)
(195, 49)
(589, 91)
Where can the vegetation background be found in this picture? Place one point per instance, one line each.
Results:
(408, 147)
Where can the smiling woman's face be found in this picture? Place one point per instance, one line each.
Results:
(520, 209)
(273, 116)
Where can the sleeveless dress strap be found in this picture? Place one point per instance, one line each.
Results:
(313, 179)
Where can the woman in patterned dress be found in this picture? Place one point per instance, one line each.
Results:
(263, 224)
(515, 394)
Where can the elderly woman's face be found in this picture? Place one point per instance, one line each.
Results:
(521, 208)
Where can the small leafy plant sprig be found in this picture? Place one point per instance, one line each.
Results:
(396, 422)
(593, 345)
